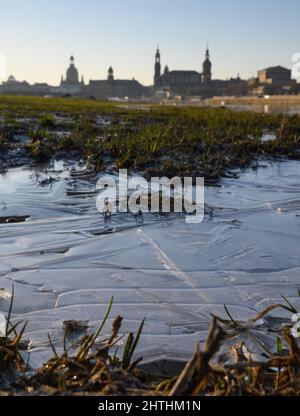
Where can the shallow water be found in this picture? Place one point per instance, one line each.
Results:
(66, 261)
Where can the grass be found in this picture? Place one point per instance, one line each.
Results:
(91, 369)
(94, 366)
(160, 141)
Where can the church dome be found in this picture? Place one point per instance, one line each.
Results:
(72, 72)
(72, 75)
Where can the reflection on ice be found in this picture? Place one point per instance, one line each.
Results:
(66, 260)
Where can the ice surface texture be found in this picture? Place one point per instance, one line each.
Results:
(66, 261)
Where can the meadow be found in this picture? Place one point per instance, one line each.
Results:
(150, 139)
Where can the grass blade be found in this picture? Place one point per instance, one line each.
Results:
(10, 311)
(90, 342)
(230, 316)
(131, 345)
(291, 307)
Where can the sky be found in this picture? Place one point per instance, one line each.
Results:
(37, 37)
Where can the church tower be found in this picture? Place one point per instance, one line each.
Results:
(110, 76)
(207, 66)
(157, 72)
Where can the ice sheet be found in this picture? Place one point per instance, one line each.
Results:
(66, 261)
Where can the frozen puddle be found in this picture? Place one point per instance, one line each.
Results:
(66, 261)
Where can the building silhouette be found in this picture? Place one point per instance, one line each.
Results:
(157, 70)
(206, 75)
(179, 80)
(72, 77)
(273, 80)
(112, 87)
(71, 84)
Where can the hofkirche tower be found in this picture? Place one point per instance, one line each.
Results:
(206, 70)
(157, 70)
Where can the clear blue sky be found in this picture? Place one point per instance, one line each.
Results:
(38, 36)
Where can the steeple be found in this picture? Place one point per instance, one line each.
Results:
(157, 56)
(207, 53)
(157, 70)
